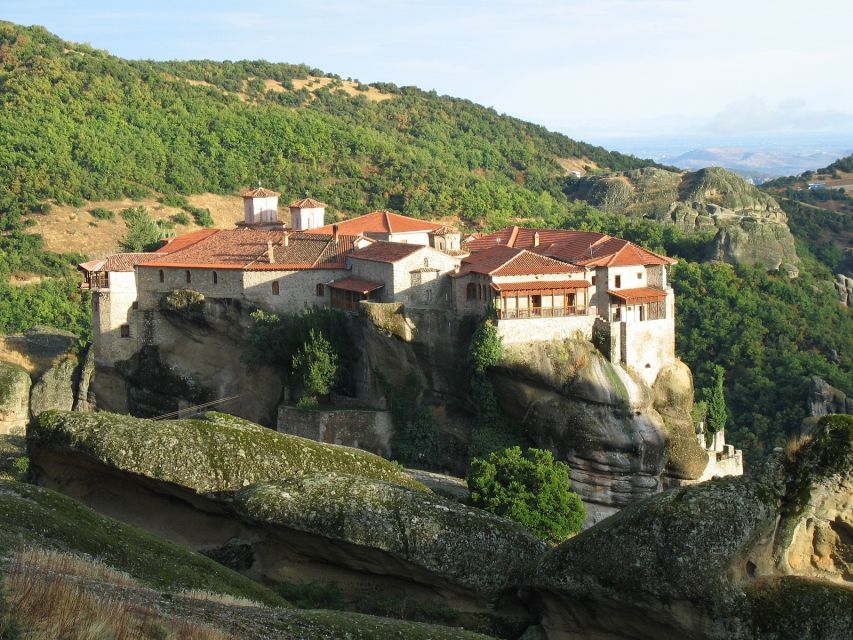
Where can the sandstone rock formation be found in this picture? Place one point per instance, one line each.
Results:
(56, 387)
(281, 508)
(824, 399)
(749, 225)
(747, 557)
(14, 399)
(623, 440)
(844, 289)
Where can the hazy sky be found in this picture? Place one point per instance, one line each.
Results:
(594, 69)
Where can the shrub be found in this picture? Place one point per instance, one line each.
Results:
(717, 413)
(316, 365)
(102, 214)
(530, 488)
(181, 218)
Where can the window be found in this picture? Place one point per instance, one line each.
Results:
(639, 275)
(593, 281)
(617, 314)
(188, 276)
(275, 288)
(215, 277)
(321, 290)
(471, 291)
(124, 331)
(618, 282)
(162, 276)
(134, 304)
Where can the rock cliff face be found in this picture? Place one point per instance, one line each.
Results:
(280, 508)
(14, 399)
(749, 225)
(748, 557)
(623, 440)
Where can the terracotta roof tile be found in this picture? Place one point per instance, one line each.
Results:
(381, 222)
(307, 203)
(359, 285)
(638, 295)
(118, 262)
(259, 192)
(540, 285)
(508, 261)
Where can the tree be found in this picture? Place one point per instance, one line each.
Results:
(316, 365)
(143, 233)
(530, 488)
(718, 415)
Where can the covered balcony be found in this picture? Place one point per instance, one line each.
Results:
(637, 305)
(540, 299)
(346, 293)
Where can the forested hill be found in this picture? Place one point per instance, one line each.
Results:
(78, 123)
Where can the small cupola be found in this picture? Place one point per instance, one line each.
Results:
(260, 208)
(306, 214)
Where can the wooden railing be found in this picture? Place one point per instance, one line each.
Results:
(540, 312)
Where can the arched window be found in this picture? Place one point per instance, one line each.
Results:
(188, 276)
(275, 289)
(162, 276)
(215, 277)
(471, 291)
(321, 290)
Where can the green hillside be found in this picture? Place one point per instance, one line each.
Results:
(78, 123)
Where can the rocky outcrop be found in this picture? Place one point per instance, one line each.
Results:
(14, 399)
(824, 399)
(844, 289)
(749, 225)
(621, 438)
(767, 556)
(281, 508)
(56, 387)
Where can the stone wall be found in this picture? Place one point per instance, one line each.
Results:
(525, 330)
(360, 428)
(112, 308)
(297, 289)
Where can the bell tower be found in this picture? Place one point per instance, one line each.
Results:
(307, 214)
(260, 209)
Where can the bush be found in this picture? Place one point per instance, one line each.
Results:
(143, 232)
(102, 214)
(316, 365)
(530, 488)
(181, 218)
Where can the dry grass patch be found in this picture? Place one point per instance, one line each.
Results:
(218, 598)
(50, 595)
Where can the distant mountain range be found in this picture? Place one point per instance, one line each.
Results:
(758, 164)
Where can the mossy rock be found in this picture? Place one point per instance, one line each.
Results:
(55, 389)
(388, 317)
(14, 397)
(212, 454)
(463, 544)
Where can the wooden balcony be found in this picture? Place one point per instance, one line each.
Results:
(540, 312)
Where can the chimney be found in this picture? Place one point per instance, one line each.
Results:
(335, 233)
(270, 254)
(286, 239)
(536, 239)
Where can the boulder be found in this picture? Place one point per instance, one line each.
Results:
(14, 399)
(718, 559)
(824, 399)
(55, 388)
(844, 289)
(279, 509)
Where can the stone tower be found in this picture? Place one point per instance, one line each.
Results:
(260, 209)
(307, 214)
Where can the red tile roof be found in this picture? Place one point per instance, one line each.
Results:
(638, 295)
(387, 251)
(182, 242)
(307, 203)
(259, 192)
(585, 248)
(508, 261)
(118, 262)
(359, 285)
(540, 285)
(381, 222)
(246, 248)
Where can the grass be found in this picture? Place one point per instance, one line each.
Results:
(47, 519)
(46, 597)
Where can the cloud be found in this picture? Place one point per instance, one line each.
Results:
(756, 115)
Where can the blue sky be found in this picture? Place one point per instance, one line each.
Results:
(595, 69)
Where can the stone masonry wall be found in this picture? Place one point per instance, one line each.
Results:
(360, 428)
(528, 329)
